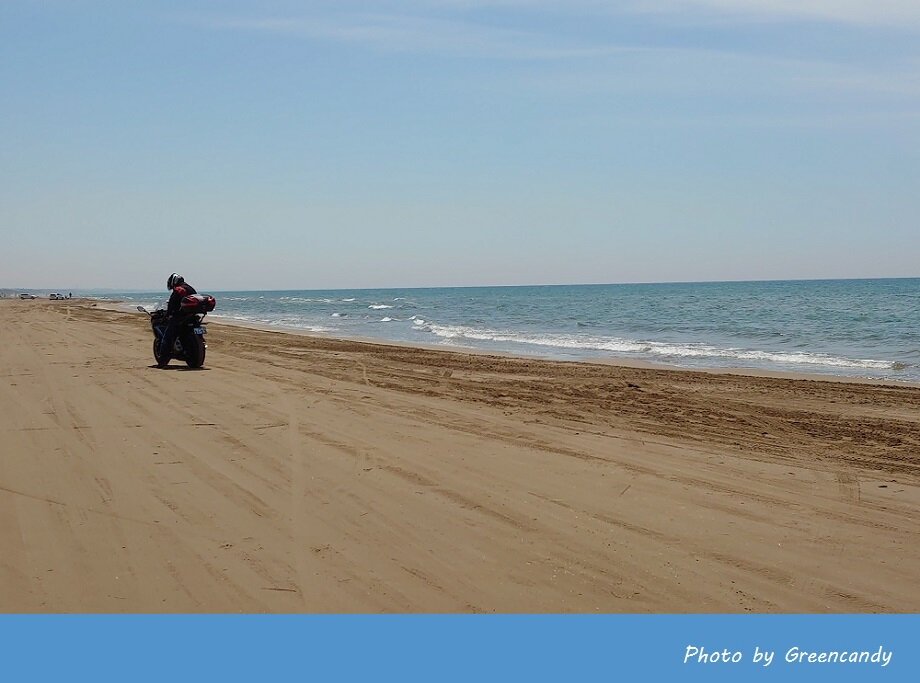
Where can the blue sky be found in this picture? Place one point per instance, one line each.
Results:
(274, 144)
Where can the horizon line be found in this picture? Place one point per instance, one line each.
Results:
(134, 290)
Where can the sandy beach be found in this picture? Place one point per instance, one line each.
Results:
(303, 474)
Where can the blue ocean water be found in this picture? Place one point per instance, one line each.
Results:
(863, 328)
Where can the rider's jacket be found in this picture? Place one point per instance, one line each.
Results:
(179, 292)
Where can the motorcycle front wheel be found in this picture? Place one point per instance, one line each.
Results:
(156, 350)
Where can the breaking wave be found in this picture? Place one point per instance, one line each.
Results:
(654, 350)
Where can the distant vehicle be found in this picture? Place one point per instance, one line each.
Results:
(27, 296)
(57, 297)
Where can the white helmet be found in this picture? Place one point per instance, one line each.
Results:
(173, 280)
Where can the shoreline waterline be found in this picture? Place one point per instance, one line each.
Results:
(848, 328)
(613, 361)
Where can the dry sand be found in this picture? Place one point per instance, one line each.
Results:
(297, 474)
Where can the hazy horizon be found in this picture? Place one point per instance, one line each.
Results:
(215, 290)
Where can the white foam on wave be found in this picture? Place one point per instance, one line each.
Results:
(291, 323)
(348, 300)
(298, 323)
(786, 358)
(554, 340)
(386, 319)
(665, 351)
(304, 300)
(378, 307)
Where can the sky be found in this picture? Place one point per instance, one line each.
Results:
(298, 145)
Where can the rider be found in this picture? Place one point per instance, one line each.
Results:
(180, 289)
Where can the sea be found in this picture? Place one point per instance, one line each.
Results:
(854, 328)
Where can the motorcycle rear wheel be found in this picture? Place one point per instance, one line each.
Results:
(194, 351)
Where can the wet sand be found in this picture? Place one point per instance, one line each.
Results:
(304, 474)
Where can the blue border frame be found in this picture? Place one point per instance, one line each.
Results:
(446, 647)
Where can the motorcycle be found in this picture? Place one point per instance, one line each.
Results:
(190, 345)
